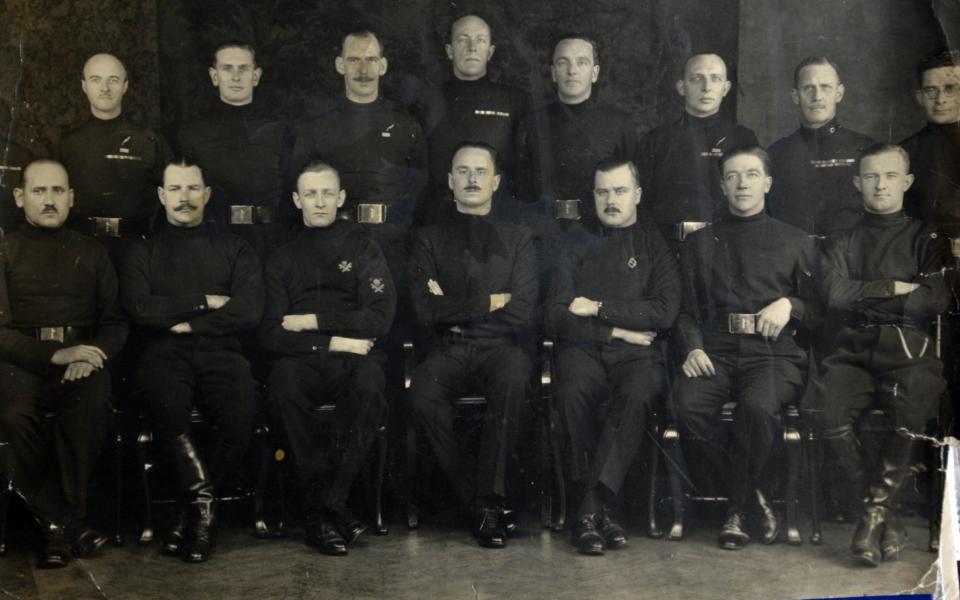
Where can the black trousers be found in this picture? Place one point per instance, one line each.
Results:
(872, 365)
(356, 385)
(761, 377)
(501, 371)
(604, 396)
(55, 431)
(175, 374)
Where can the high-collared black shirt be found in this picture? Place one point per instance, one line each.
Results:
(56, 278)
(934, 196)
(812, 174)
(336, 273)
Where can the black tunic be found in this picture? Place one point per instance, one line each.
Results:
(813, 173)
(679, 167)
(740, 265)
(934, 196)
(472, 257)
(558, 149)
(336, 273)
(115, 168)
(13, 159)
(56, 278)
(167, 277)
(631, 271)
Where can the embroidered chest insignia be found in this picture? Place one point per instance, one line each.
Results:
(377, 285)
(632, 263)
(345, 266)
(386, 132)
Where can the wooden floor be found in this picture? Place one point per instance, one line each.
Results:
(441, 561)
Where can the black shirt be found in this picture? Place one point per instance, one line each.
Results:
(167, 277)
(559, 147)
(740, 265)
(379, 150)
(680, 167)
(934, 196)
(631, 271)
(336, 273)
(115, 168)
(13, 159)
(472, 257)
(56, 278)
(813, 173)
(860, 265)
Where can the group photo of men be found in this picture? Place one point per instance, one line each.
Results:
(597, 280)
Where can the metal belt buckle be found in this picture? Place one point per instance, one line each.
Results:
(742, 323)
(241, 214)
(372, 213)
(262, 214)
(51, 334)
(567, 209)
(106, 226)
(685, 228)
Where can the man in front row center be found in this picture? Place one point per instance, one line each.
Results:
(475, 287)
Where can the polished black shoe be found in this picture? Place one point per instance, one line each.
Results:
(323, 535)
(733, 535)
(894, 539)
(769, 524)
(509, 520)
(173, 541)
(199, 544)
(866, 539)
(348, 525)
(86, 542)
(586, 537)
(56, 551)
(489, 532)
(613, 533)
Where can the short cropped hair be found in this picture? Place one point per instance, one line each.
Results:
(576, 36)
(317, 165)
(361, 34)
(811, 61)
(614, 162)
(755, 151)
(39, 163)
(883, 148)
(184, 162)
(494, 155)
(941, 57)
(234, 44)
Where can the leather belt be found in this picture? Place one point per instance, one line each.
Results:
(685, 228)
(371, 213)
(57, 334)
(746, 324)
(115, 227)
(567, 209)
(250, 214)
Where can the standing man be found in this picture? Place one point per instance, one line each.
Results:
(194, 292)
(678, 162)
(60, 325)
(329, 296)
(815, 164)
(560, 144)
(471, 107)
(746, 290)
(240, 147)
(475, 287)
(116, 164)
(609, 299)
(885, 277)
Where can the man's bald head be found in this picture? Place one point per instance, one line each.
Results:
(470, 47)
(104, 83)
(45, 195)
(703, 85)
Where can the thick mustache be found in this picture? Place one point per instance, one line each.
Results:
(610, 210)
(49, 210)
(185, 206)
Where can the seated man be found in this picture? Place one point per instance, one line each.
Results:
(475, 286)
(885, 278)
(329, 296)
(745, 290)
(194, 291)
(609, 298)
(60, 324)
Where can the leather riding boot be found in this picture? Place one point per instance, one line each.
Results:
(865, 544)
(769, 524)
(894, 538)
(895, 473)
(173, 540)
(56, 550)
(866, 539)
(198, 492)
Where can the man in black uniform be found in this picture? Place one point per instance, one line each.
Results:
(116, 164)
(329, 296)
(559, 145)
(886, 277)
(60, 324)
(194, 291)
(814, 165)
(240, 147)
(608, 300)
(678, 161)
(746, 289)
(475, 286)
(471, 107)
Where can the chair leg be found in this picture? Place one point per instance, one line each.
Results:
(381, 528)
(653, 463)
(118, 506)
(546, 470)
(260, 528)
(814, 458)
(556, 444)
(671, 446)
(412, 518)
(146, 533)
(791, 438)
